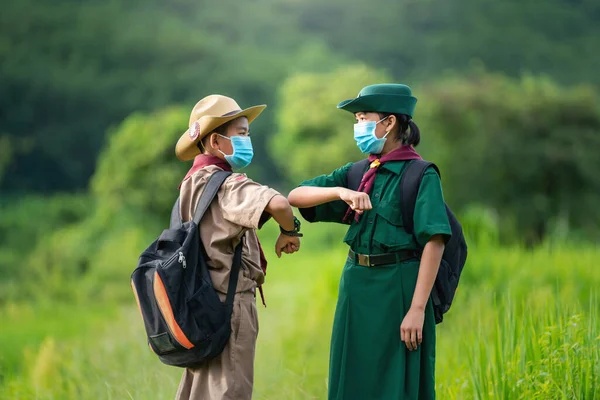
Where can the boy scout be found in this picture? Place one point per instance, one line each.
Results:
(383, 340)
(218, 138)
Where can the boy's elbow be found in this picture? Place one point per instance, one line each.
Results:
(277, 205)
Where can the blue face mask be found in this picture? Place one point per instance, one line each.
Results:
(364, 134)
(242, 151)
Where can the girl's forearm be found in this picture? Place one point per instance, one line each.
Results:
(430, 263)
(309, 196)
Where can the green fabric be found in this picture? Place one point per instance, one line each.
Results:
(380, 230)
(368, 360)
(388, 97)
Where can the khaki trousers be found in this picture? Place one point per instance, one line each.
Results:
(230, 376)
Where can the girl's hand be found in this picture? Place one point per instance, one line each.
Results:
(411, 330)
(358, 201)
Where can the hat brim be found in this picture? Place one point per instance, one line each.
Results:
(388, 103)
(187, 147)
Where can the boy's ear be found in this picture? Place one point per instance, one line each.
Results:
(212, 140)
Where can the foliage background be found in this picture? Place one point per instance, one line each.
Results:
(94, 94)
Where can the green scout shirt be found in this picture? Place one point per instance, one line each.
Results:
(379, 230)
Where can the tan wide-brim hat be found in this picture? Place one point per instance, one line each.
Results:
(207, 115)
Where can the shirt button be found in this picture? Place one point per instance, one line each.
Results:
(370, 220)
(376, 194)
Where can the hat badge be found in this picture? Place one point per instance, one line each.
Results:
(194, 130)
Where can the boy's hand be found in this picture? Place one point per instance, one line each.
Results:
(286, 244)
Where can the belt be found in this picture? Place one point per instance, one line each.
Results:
(367, 260)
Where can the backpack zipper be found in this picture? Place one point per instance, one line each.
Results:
(152, 256)
(182, 260)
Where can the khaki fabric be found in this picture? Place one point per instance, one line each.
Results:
(231, 375)
(233, 216)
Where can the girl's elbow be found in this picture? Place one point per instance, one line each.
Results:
(294, 197)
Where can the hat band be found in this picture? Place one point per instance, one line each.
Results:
(232, 113)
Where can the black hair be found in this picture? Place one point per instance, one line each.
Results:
(221, 130)
(408, 132)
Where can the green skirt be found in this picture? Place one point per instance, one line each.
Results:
(368, 361)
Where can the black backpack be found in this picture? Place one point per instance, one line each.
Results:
(455, 252)
(186, 322)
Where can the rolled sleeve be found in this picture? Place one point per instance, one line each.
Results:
(244, 201)
(430, 217)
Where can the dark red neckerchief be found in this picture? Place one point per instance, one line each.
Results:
(205, 160)
(403, 153)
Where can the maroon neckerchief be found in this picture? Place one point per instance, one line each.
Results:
(205, 160)
(403, 153)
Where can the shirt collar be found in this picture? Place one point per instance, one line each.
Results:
(394, 166)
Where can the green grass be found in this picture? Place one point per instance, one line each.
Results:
(524, 325)
(24, 327)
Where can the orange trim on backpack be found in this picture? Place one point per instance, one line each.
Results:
(137, 299)
(165, 308)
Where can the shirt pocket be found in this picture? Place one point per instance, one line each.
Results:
(350, 238)
(389, 231)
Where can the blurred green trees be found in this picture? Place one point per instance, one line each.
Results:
(138, 172)
(422, 39)
(71, 70)
(24, 224)
(528, 148)
(132, 193)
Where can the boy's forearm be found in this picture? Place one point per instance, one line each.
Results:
(281, 211)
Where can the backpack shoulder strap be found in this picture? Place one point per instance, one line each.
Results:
(176, 221)
(409, 189)
(209, 193)
(355, 174)
(234, 275)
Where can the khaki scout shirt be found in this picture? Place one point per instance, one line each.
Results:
(235, 214)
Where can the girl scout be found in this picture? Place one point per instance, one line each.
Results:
(383, 340)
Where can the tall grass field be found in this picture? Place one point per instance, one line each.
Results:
(524, 325)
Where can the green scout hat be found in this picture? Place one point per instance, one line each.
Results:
(388, 97)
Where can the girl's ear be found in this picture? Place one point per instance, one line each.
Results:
(391, 123)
